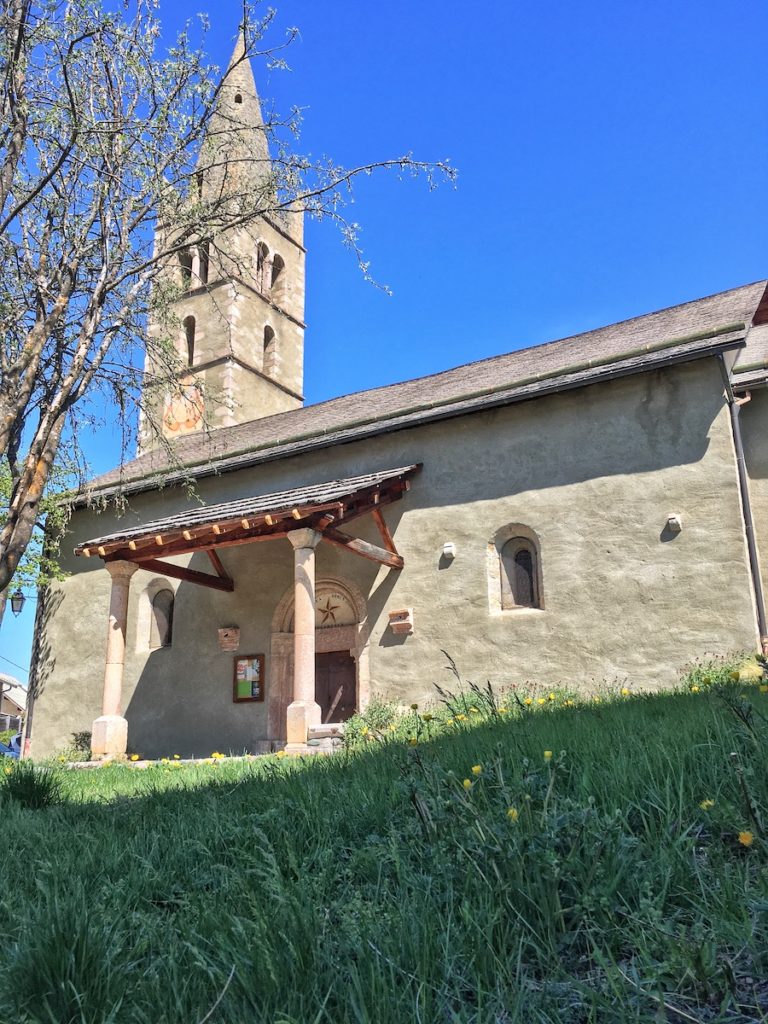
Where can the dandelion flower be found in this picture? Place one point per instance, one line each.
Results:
(502, 710)
(461, 718)
(528, 701)
(477, 769)
(467, 784)
(746, 838)
(512, 813)
(552, 696)
(695, 689)
(474, 711)
(134, 757)
(364, 731)
(391, 728)
(280, 753)
(763, 688)
(707, 805)
(547, 755)
(624, 691)
(413, 741)
(541, 701)
(176, 757)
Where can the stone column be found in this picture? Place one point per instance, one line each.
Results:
(303, 711)
(109, 733)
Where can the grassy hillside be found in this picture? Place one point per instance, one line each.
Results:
(469, 876)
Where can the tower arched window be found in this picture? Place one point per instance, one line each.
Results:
(204, 257)
(269, 362)
(189, 336)
(278, 266)
(238, 97)
(519, 574)
(185, 263)
(262, 258)
(161, 623)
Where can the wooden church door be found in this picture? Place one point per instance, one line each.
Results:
(335, 685)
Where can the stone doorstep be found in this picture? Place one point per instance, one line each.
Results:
(331, 730)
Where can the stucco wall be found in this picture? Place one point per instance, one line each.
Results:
(754, 432)
(594, 473)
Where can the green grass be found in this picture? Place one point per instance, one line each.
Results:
(373, 886)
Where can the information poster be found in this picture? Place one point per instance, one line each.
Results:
(249, 677)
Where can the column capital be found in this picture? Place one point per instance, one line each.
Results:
(305, 538)
(120, 569)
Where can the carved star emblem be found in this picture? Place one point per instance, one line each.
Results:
(328, 612)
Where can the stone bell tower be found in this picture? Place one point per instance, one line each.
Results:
(237, 297)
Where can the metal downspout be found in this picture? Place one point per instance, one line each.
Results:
(734, 407)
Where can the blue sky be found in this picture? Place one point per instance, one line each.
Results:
(612, 157)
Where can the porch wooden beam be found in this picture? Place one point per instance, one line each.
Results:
(383, 529)
(217, 565)
(363, 548)
(179, 572)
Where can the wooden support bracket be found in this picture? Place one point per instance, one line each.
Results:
(179, 572)
(364, 548)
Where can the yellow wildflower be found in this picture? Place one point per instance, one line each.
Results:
(541, 701)
(763, 688)
(364, 731)
(164, 760)
(477, 769)
(624, 691)
(695, 689)
(547, 755)
(134, 757)
(502, 710)
(528, 701)
(176, 757)
(746, 838)
(474, 711)
(569, 703)
(552, 696)
(461, 718)
(413, 741)
(280, 753)
(391, 728)
(467, 783)
(707, 805)
(597, 700)
(512, 813)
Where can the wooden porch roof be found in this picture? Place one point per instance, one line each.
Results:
(321, 507)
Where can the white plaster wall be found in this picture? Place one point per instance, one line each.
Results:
(594, 473)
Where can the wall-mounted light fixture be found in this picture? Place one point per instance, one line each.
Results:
(674, 523)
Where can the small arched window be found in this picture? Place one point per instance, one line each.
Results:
(189, 335)
(262, 256)
(278, 266)
(519, 574)
(185, 262)
(269, 361)
(238, 97)
(204, 255)
(161, 624)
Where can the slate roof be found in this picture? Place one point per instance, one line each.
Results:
(320, 495)
(679, 333)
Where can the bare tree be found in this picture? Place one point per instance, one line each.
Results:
(103, 137)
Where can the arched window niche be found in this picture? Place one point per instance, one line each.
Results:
(262, 265)
(189, 338)
(269, 359)
(154, 623)
(278, 266)
(515, 582)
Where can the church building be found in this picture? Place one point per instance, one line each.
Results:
(588, 511)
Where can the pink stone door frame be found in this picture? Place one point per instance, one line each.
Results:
(352, 638)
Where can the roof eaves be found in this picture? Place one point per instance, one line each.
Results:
(670, 351)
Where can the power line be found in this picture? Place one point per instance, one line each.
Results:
(14, 663)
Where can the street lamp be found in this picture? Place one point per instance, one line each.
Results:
(17, 601)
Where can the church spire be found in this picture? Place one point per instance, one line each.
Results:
(235, 155)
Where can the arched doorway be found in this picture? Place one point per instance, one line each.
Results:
(341, 648)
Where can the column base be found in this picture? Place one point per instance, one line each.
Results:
(301, 715)
(109, 736)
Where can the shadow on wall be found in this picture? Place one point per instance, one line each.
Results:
(43, 662)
